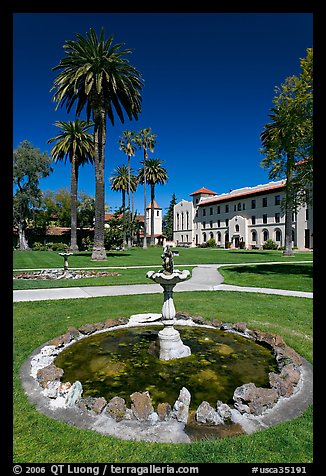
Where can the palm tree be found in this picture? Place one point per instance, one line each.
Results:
(121, 181)
(146, 140)
(76, 144)
(126, 145)
(155, 174)
(95, 75)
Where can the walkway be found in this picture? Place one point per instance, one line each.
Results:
(205, 277)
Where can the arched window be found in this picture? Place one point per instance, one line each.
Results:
(211, 235)
(218, 236)
(265, 235)
(204, 237)
(254, 235)
(278, 235)
(237, 228)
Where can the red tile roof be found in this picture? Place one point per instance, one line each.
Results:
(203, 190)
(155, 206)
(230, 196)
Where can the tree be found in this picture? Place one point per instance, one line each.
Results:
(121, 181)
(287, 143)
(168, 218)
(29, 166)
(126, 145)
(76, 144)
(86, 210)
(96, 75)
(155, 174)
(146, 140)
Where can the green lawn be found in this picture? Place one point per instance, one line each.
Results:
(38, 438)
(297, 277)
(126, 276)
(151, 256)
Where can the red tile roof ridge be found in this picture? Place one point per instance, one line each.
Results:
(203, 190)
(228, 196)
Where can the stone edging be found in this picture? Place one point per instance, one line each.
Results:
(254, 407)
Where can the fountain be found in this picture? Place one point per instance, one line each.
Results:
(65, 255)
(169, 340)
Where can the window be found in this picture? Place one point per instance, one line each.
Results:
(182, 221)
(211, 224)
(277, 199)
(187, 218)
(218, 223)
(239, 207)
(264, 201)
(254, 235)
(237, 228)
(243, 206)
(204, 224)
(218, 236)
(277, 218)
(211, 236)
(218, 209)
(253, 220)
(204, 237)
(204, 212)
(226, 208)
(235, 208)
(157, 213)
(178, 222)
(211, 211)
(197, 200)
(307, 214)
(265, 235)
(253, 203)
(197, 212)
(265, 218)
(277, 235)
(226, 222)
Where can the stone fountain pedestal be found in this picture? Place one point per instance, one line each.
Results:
(170, 343)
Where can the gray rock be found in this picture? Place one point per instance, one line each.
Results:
(47, 374)
(206, 414)
(181, 406)
(74, 394)
(224, 411)
(116, 408)
(258, 399)
(141, 405)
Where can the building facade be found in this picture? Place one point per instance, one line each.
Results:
(243, 218)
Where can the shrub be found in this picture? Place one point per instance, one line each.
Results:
(37, 246)
(228, 244)
(56, 246)
(270, 245)
(211, 243)
(87, 243)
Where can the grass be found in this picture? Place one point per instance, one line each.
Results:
(150, 256)
(296, 277)
(38, 438)
(126, 276)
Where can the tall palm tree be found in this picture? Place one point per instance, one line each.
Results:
(146, 140)
(126, 145)
(95, 75)
(75, 143)
(120, 181)
(155, 174)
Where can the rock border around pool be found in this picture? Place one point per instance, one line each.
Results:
(254, 408)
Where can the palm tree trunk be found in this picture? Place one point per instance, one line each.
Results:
(152, 214)
(73, 229)
(145, 226)
(99, 252)
(128, 234)
(124, 216)
(288, 215)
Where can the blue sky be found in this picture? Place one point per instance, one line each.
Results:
(209, 78)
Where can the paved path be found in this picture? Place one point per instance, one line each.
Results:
(205, 277)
